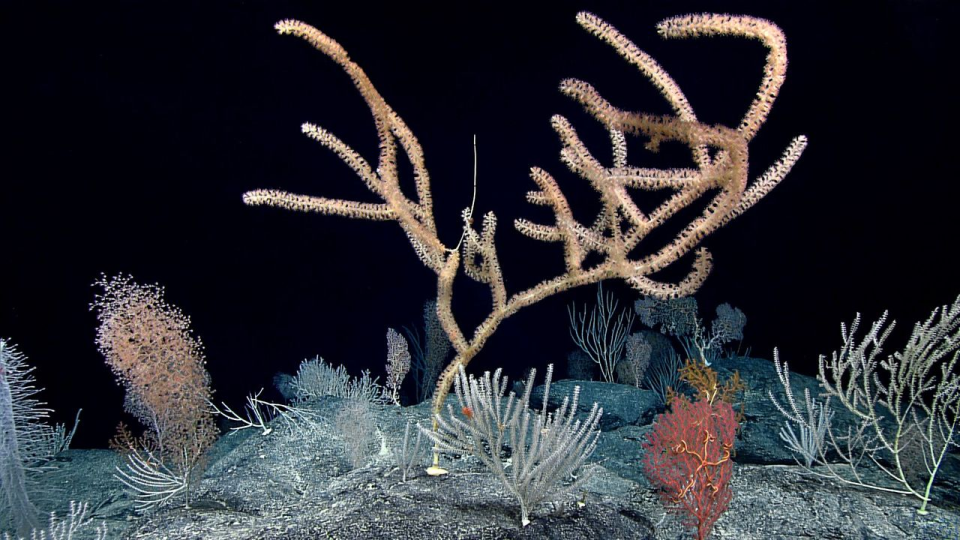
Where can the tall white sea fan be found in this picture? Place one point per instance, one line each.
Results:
(23, 438)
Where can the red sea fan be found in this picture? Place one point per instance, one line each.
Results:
(688, 460)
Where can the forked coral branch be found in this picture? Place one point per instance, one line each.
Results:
(720, 156)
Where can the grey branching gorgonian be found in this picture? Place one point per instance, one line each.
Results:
(905, 416)
(547, 449)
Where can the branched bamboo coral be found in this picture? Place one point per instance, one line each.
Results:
(720, 158)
